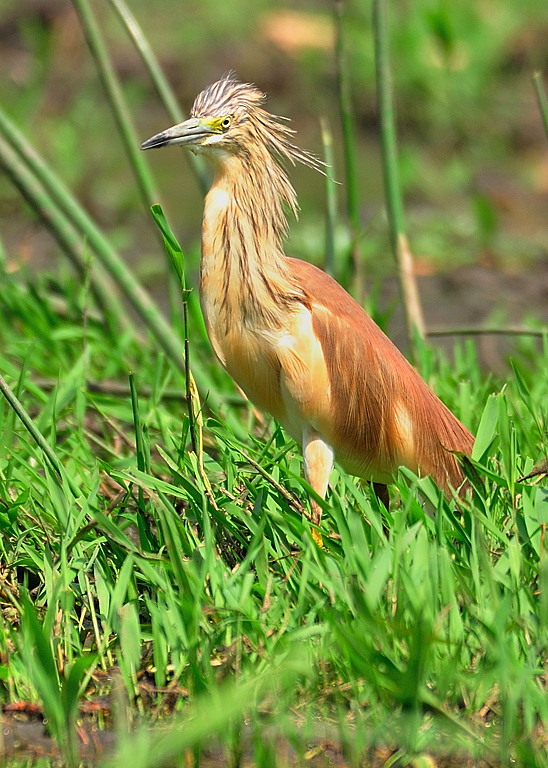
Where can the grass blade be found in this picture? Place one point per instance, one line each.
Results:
(487, 430)
(176, 256)
(37, 435)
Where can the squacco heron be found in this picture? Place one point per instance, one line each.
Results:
(292, 338)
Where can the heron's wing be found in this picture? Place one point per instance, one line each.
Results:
(381, 408)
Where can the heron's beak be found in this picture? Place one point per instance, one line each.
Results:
(187, 134)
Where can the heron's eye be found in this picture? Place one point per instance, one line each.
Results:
(225, 124)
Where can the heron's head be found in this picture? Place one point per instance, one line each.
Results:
(228, 118)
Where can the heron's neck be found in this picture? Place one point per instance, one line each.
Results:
(244, 222)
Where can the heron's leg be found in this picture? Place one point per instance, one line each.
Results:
(318, 463)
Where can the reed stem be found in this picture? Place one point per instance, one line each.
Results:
(541, 98)
(349, 146)
(117, 101)
(511, 330)
(330, 198)
(394, 206)
(160, 83)
(64, 232)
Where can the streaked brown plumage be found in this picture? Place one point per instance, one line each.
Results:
(294, 341)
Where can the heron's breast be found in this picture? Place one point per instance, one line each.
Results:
(304, 382)
(282, 370)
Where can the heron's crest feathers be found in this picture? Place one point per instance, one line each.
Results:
(229, 97)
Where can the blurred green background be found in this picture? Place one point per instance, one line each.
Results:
(473, 155)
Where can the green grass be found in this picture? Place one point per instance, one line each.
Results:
(155, 533)
(432, 639)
